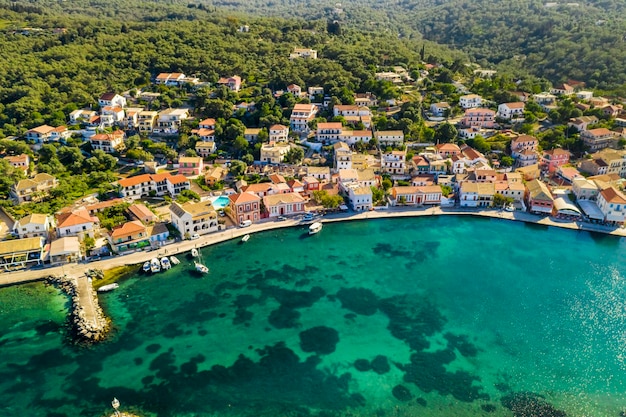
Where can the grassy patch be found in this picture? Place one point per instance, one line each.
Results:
(115, 274)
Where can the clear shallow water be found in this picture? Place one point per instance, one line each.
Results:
(427, 316)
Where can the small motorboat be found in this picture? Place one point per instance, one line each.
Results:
(174, 260)
(155, 265)
(165, 263)
(245, 238)
(203, 269)
(146, 266)
(315, 228)
(194, 253)
(109, 287)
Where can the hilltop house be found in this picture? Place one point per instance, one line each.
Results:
(470, 101)
(232, 83)
(301, 115)
(108, 142)
(511, 111)
(111, 99)
(157, 184)
(33, 189)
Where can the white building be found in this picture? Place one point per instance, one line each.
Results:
(278, 133)
(156, 184)
(343, 156)
(301, 115)
(194, 218)
(511, 111)
(394, 163)
(390, 137)
(470, 101)
(360, 198)
(612, 203)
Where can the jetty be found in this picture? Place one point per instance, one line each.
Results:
(89, 324)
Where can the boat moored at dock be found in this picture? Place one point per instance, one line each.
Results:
(146, 266)
(245, 238)
(174, 260)
(315, 228)
(109, 287)
(165, 263)
(155, 265)
(194, 253)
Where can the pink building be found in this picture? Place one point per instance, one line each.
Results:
(190, 165)
(483, 118)
(554, 158)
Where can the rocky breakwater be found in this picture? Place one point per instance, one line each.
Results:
(87, 320)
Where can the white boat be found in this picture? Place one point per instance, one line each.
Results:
(165, 263)
(146, 266)
(109, 287)
(245, 238)
(194, 252)
(174, 260)
(155, 265)
(315, 228)
(201, 268)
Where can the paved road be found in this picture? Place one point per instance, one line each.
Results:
(9, 278)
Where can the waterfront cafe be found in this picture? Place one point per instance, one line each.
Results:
(20, 253)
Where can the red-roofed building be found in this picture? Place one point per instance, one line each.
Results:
(108, 142)
(554, 158)
(233, 83)
(157, 184)
(612, 203)
(129, 236)
(448, 149)
(244, 206)
(76, 223)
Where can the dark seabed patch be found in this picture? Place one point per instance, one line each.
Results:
(427, 371)
(412, 319)
(284, 318)
(380, 365)
(321, 340)
(402, 393)
(358, 300)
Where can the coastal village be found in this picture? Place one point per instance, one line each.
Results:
(185, 171)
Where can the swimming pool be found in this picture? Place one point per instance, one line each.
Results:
(220, 202)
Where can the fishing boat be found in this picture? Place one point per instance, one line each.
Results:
(155, 265)
(245, 238)
(165, 263)
(109, 287)
(146, 266)
(315, 228)
(203, 269)
(194, 252)
(174, 260)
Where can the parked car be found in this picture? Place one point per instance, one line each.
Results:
(281, 218)
(308, 216)
(195, 236)
(245, 223)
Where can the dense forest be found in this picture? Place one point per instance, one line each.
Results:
(557, 40)
(59, 56)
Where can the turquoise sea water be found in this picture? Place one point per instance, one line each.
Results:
(440, 316)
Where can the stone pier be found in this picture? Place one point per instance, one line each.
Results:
(87, 319)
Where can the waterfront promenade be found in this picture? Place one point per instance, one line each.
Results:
(78, 269)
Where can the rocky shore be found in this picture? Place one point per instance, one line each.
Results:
(87, 320)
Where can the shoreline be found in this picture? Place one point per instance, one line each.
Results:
(137, 258)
